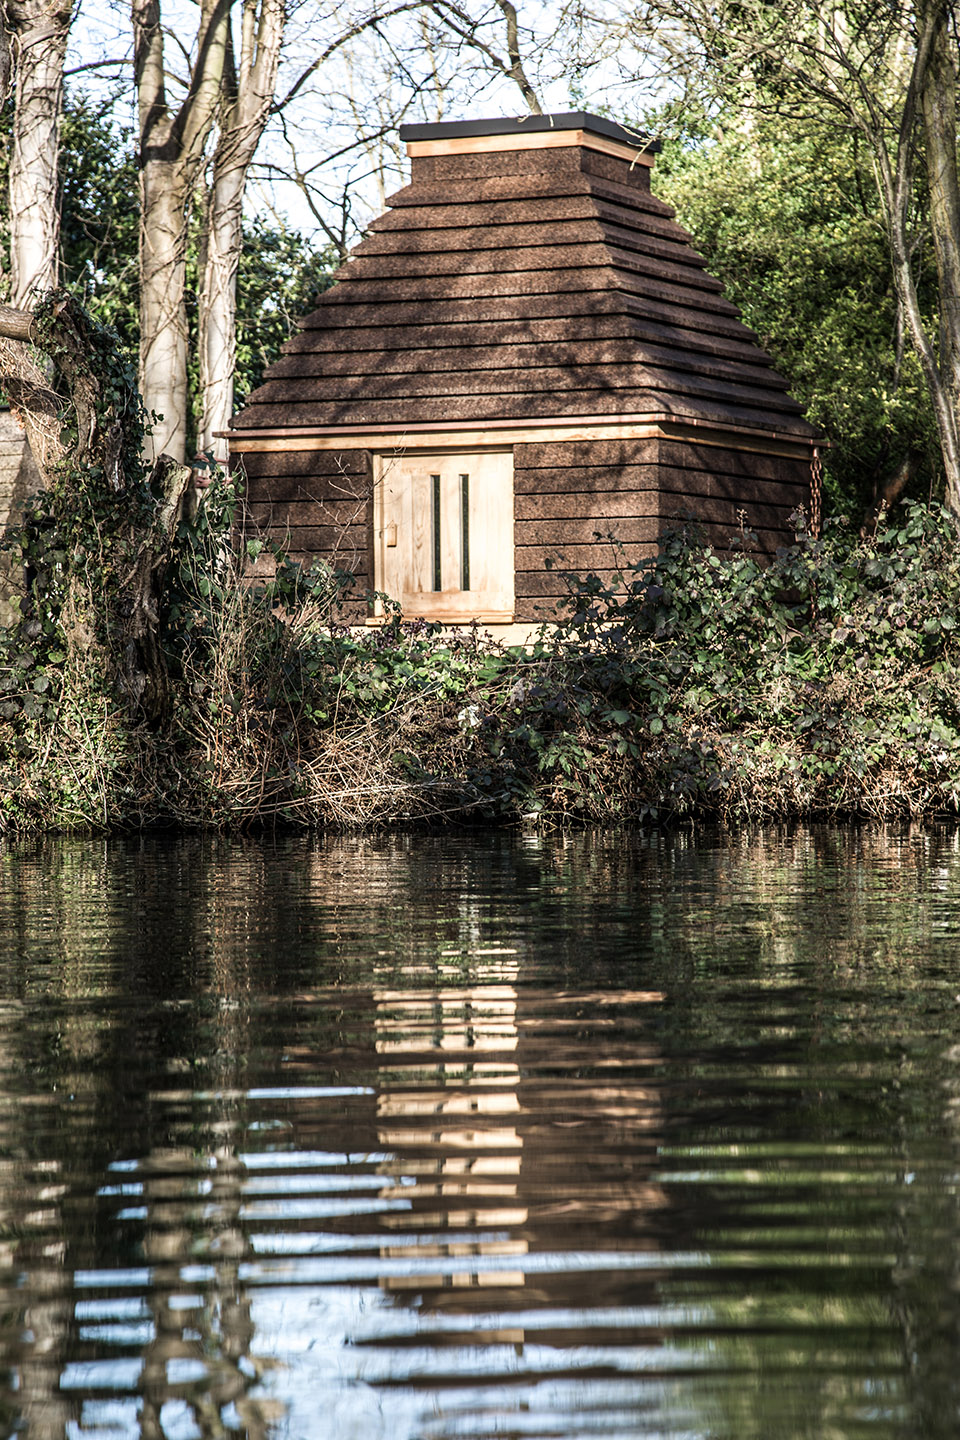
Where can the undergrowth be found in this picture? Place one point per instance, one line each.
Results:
(696, 684)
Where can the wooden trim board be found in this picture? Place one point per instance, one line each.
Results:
(505, 434)
(534, 140)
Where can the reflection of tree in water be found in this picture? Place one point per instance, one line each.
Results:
(641, 1000)
(118, 1172)
(820, 967)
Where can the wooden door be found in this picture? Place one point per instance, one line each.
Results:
(443, 533)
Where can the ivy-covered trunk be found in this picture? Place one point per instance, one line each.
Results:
(97, 539)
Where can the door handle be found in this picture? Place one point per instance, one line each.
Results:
(390, 535)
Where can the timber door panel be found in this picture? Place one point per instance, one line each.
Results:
(443, 535)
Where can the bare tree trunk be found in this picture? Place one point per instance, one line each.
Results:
(939, 108)
(38, 32)
(172, 146)
(923, 107)
(244, 115)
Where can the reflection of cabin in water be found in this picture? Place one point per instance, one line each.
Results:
(526, 351)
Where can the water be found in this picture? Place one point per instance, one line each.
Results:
(483, 1136)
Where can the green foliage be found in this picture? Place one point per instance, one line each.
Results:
(280, 279)
(825, 682)
(697, 684)
(790, 222)
(99, 219)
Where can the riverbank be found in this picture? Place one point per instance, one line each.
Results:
(701, 685)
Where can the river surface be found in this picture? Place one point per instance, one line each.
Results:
(481, 1136)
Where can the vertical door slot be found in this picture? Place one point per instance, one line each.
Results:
(464, 532)
(437, 533)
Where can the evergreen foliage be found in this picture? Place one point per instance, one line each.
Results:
(789, 221)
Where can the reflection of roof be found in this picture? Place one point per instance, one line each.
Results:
(521, 284)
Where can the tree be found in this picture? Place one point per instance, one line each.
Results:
(471, 32)
(247, 96)
(790, 221)
(279, 278)
(37, 31)
(885, 73)
(172, 149)
(97, 539)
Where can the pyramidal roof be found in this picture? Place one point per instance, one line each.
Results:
(525, 273)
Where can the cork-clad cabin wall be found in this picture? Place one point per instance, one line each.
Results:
(553, 521)
(527, 291)
(313, 503)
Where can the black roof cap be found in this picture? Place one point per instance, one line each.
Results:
(527, 124)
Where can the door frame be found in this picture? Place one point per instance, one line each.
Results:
(382, 462)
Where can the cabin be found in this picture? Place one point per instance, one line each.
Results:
(524, 358)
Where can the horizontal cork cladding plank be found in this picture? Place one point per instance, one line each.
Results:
(420, 410)
(531, 561)
(723, 479)
(314, 489)
(549, 534)
(504, 346)
(354, 607)
(568, 455)
(682, 454)
(585, 481)
(573, 201)
(498, 272)
(328, 489)
(554, 344)
(596, 506)
(544, 585)
(638, 228)
(764, 543)
(655, 239)
(757, 489)
(597, 166)
(303, 464)
(520, 189)
(725, 336)
(508, 355)
(478, 164)
(607, 300)
(472, 258)
(767, 390)
(642, 275)
(307, 510)
(435, 258)
(344, 548)
(459, 272)
(679, 508)
(705, 331)
(428, 292)
(482, 292)
(517, 227)
(636, 246)
(478, 215)
(648, 368)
